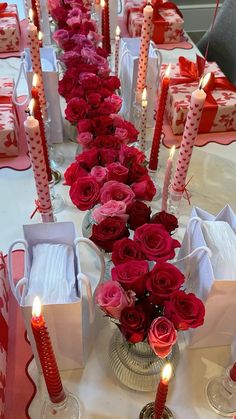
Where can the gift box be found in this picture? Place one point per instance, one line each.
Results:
(9, 29)
(8, 120)
(219, 112)
(167, 21)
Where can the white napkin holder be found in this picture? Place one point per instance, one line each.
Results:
(218, 295)
(71, 325)
(128, 72)
(50, 79)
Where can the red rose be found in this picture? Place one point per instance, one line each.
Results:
(107, 141)
(94, 99)
(125, 250)
(131, 275)
(132, 131)
(78, 92)
(76, 109)
(89, 81)
(161, 336)
(136, 172)
(104, 92)
(163, 282)
(71, 59)
(88, 26)
(185, 310)
(130, 155)
(144, 189)
(106, 108)
(73, 172)
(108, 231)
(102, 124)
(133, 324)
(111, 83)
(139, 214)
(66, 84)
(59, 14)
(169, 221)
(156, 244)
(117, 172)
(89, 158)
(84, 192)
(84, 125)
(107, 156)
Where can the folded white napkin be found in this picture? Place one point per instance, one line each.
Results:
(52, 274)
(221, 240)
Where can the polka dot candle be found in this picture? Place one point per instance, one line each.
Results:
(146, 34)
(143, 123)
(33, 42)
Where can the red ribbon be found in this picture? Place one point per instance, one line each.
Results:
(39, 209)
(191, 72)
(159, 22)
(5, 100)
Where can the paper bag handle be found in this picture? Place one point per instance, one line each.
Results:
(18, 289)
(84, 278)
(22, 71)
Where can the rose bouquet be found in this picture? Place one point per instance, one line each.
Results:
(149, 303)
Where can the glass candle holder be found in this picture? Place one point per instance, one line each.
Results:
(174, 202)
(148, 412)
(221, 394)
(69, 408)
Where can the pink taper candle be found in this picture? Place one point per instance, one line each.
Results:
(143, 123)
(197, 101)
(117, 47)
(161, 106)
(167, 179)
(34, 142)
(146, 34)
(33, 42)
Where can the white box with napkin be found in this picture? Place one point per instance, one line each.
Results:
(213, 278)
(128, 71)
(50, 78)
(53, 272)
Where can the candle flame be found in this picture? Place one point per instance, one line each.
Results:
(167, 72)
(36, 309)
(204, 80)
(35, 80)
(172, 152)
(117, 31)
(166, 372)
(31, 106)
(40, 36)
(144, 94)
(103, 3)
(31, 15)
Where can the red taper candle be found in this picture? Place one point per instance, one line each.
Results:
(46, 355)
(38, 115)
(156, 141)
(162, 391)
(34, 14)
(106, 42)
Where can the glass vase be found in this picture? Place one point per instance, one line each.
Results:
(136, 365)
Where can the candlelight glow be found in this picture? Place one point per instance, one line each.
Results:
(204, 80)
(117, 31)
(36, 309)
(167, 72)
(35, 80)
(40, 36)
(172, 152)
(31, 15)
(103, 3)
(31, 106)
(166, 373)
(144, 94)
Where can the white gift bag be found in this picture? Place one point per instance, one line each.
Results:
(70, 324)
(217, 293)
(50, 79)
(128, 71)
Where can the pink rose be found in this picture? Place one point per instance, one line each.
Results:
(61, 36)
(144, 189)
(131, 155)
(161, 336)
(112, 298)
(122, 134)
(85, 139)
(155, 242)
(110, 209)
(116, 102)
(117, 172)
(93, 58)
(117, 191)
(53, 4)
(99, 173)
(94, 37)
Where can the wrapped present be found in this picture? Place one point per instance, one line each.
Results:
(9, 28)
(219, 112)
(167, 21)
(8, 120)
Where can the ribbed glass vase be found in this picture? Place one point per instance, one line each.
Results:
(136, 365)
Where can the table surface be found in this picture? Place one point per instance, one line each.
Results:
(212, 187)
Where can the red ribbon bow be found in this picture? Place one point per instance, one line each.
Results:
(191, 72)
(159, 22)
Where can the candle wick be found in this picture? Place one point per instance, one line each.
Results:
(27, 111)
